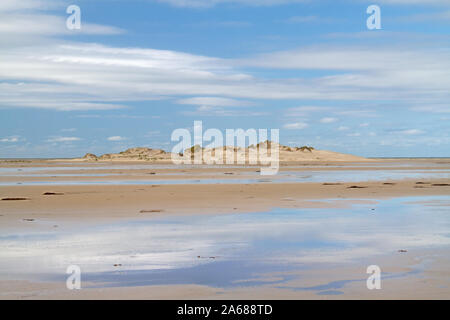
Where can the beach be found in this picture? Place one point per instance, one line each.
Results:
(296, 242)
(225, 149)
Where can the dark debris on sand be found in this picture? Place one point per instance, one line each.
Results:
(150, 211)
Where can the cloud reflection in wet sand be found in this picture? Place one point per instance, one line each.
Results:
(227, 250)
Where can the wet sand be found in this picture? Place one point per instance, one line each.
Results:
(27, 208)
(84, 203)
(432, 284)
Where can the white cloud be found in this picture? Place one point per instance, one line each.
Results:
(222, 112)
(445, 108)
(305, 110)
(63, 139)
(343, 128)
(295, 126)
(71, 76)
(22, 99)
(42, 24)
(10, 139)
(116, 138)
(328, 120)
(410, 132)
(365, 124)
(14, 5)
(354, 134)
(214, 106)
(28, 18)
(413, 70)
(214, 102)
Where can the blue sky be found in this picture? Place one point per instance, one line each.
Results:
(139, 69)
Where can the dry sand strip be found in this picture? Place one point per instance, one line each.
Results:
(81, 203)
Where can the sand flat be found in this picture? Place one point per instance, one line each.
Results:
(104, 201)
(60, 208)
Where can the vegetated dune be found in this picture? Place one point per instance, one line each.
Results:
(132, 154)
(220, 154)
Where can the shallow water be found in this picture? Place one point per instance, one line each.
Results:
(232, 249)
(331, 176)
(103, 166)
(147, 166)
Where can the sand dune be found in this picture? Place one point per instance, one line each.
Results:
(250, 154)
(143, 154)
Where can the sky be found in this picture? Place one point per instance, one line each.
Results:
(139, 69)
